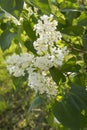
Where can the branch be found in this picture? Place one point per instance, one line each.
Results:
(73, 48)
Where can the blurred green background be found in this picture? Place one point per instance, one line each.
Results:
(14, 104)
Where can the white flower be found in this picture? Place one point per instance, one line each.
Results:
(46, 29)
(16, 71)
(17, 64)
(58, 55)
(49, 55)
(42, 84)
(26, 60)
(43, 62)
(40, 47)
(65, 51)
(13, 59)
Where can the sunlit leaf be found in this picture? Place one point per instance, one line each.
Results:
(41, 4)
(83, 19)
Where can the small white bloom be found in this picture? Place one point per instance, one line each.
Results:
(14, 59)
(40, 47)
(42, 84)
(17, 64)
(43, 62)
(46, 27)
(26, 60)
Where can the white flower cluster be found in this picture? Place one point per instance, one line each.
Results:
(18, 64)
(43, 83)
(46, 29)
(49, 54)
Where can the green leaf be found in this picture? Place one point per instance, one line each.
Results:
(6, 39)
(79, 94)
(70, 15)
(30, 47)
(82, 21)
(67, 115)
(68, 4)
(28, 27)
(57, 75)
(68, 111)
(84, 40)
(37, 102)
(73, 30)
(55, 10)
(81, 79)
(41, 4)
(71, 66)
(14, 7)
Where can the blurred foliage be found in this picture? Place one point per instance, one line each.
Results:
(14, 103)
(68, 112)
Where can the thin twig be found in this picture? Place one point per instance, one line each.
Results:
(70, 44)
